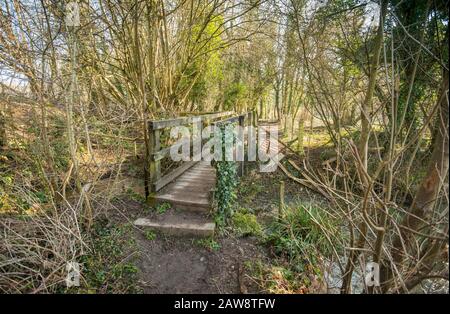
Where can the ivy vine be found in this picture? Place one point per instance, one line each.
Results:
(226, 184)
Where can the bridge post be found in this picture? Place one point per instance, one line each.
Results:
(242, 147)
(255, 128)
(251, 138)
(155, 163)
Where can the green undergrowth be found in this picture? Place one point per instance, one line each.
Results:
(150, 235)
(277, 277)
(108, 267)
(225, 193)
(158, 208)
(297, 245)
(298, 234)
(295, 241)
(208, 243)
(245, 223)
(162, 208)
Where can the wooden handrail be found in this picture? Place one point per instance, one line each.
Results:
(227, 120)
(157, 153)
(167, 123)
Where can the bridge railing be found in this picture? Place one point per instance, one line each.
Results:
(158, 153)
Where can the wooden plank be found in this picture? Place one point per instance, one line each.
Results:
(194, 180)
(200, 172)
(162, 182)
(194, 202)
(187, 195)
(190, 188)
(226, 121)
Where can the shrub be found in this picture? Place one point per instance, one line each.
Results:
(246, 224)
(297, 235)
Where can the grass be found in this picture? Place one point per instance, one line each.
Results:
(159, 208)
(250, 189)
(296, 242)
(297, 233)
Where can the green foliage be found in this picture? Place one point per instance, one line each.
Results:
(6, 180)
(298, 237)
(246, 224)
(233, 94)
(61, 153)
(208, 243)
(250, 189)
(59, 145)
(104, 268)
(162, 208)
(208, 69)
(150, 235)
(159, 208)
(41, 196)
(138, 198)
(225, 193)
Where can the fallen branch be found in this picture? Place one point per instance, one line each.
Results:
(305, 183)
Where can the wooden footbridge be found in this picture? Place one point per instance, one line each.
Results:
(189, 186)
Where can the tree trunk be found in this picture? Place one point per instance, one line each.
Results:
(429, 189)
(2, 129)
(363, 144)
(300, 136)
(367, 104)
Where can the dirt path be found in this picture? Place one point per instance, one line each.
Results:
(178, 265)
(170, 264)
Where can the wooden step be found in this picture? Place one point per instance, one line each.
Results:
(191, 188)
(183, 195)
(197, 182)
(199, 229)
(186, 202)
